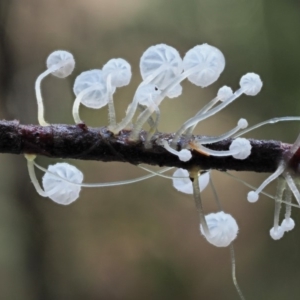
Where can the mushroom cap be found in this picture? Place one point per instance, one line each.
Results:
(64, 60)
(59, 190)
(223, 229)
(208, 61)
(251, 83)
(185, 155)
(120, 71)
(147, 94)
(97, 97)
(243, 147)
(288, 224)
(185, 185)
(242, 123)
(276, 234)
(224, 93)
(175, 92)
(252, 196)
(164, 64)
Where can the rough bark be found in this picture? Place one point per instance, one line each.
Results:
(86, 143)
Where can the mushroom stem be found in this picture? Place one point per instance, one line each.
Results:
(197, 197)
(196, 119)
(30, 165)
(38, 91)
(239, 148)
(286, 202)
(153, 128)
(115, 183)
(78, 100)
(288, 207)
(205, 108)
(270, 121)
(254, 195)
(111, 107)
(289, 180)
(210, 140)
(183, 155)
(143, 117)
(39, 97)
(133, 106)
(129, 115)
(278, 198)
(288, 223)
(213, 188)
(233, 267)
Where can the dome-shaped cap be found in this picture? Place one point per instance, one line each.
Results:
(59, 190)
(223, 229)
(185, 185)
(224, 93)
(63, 59)
(97, 97)
(242, 147)
(120, 71)
(162, 64)
(251, 84)
(208, 62)
(147, 94)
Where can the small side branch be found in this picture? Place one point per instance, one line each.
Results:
(86, 143)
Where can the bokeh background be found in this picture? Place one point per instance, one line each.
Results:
(142, 241)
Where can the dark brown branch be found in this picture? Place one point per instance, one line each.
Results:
(82, 142)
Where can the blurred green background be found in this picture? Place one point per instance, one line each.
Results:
(142, 241)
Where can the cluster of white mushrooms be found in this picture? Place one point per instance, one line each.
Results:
(162, 71)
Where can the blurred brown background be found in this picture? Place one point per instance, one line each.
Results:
(142, 241)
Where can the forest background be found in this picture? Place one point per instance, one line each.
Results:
(142, 240)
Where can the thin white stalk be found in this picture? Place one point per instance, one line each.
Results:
(220, 153)
(129, 115)
(168, 148)
(183, 154)
(177, 81)
(289, 180)
(288, 206)
(158, 174)
(39, 97)
(153, 125)
(115, 183)
(132, 107)
(38, 92)
(205, 108)
(111, 107)
(210, 140)
(232, 254)
(247, 184)
(141, 108)
(143, 117)
(78, 99)
(153, 128)
(295, 146)
(278, 198)
(154, 74)
(36, 184)
(262, 192)
(233, 267)
(272, 177)
(270, 121)
(215, 193)
(198, 202)
(196, 119)
(208, 106)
